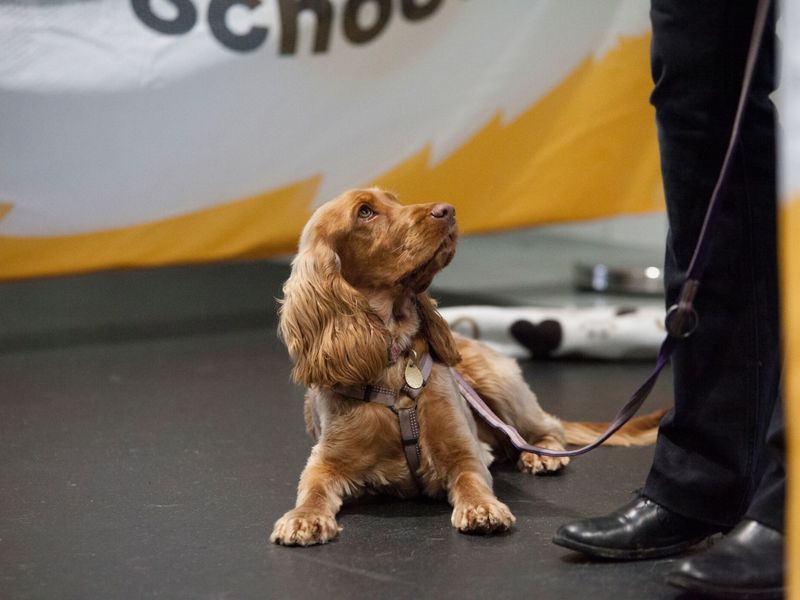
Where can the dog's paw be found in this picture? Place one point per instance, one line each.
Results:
(303, 528)
(482, 517)
(541, 465)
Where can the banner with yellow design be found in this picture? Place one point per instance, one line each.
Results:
(789, 221)
(149, 132)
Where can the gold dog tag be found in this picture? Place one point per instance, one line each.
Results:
(414, 378)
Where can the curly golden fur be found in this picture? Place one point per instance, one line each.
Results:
(358, 288)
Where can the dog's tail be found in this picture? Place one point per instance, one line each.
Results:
(639, 431)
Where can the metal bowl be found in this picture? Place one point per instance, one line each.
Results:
(615, 279)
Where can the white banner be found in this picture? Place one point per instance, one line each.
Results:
(144, 132)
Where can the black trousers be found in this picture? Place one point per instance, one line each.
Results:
(719, 455)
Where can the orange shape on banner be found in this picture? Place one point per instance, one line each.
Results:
(789, 221)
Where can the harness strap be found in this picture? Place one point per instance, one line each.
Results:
(409, 433)
(383, 395)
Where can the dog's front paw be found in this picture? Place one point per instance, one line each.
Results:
(482, 517)
(541, 465)
(303, 528)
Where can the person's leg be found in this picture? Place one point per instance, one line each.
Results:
(708, 454)
(725, 375)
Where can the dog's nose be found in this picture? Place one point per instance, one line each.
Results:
(446, 212)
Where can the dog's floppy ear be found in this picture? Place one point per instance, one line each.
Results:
(436, 330)
(332, 334)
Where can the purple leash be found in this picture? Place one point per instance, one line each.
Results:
(681, 319)
(623, 416)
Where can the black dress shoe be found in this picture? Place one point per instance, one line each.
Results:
(640, 529)
(747, 563)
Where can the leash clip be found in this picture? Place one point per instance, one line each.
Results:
(682, 319)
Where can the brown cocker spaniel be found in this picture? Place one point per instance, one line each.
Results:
(355, 312)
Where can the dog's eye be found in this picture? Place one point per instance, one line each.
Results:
(365, 211)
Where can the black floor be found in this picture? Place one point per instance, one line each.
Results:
(155, 467)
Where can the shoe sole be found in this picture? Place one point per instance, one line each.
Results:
(692, 585)
(623, 553)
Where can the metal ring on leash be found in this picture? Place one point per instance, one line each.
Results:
(682, 318)
(681, 321)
